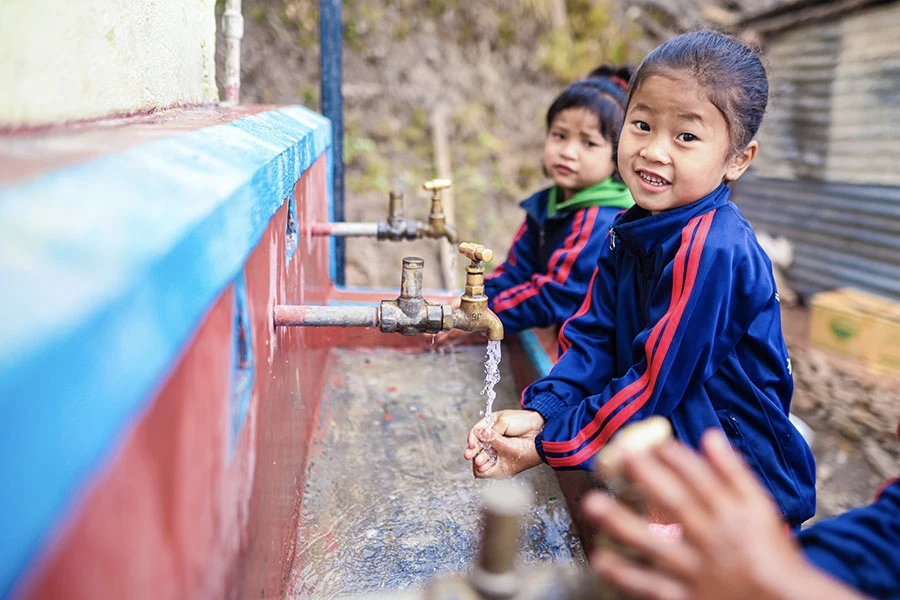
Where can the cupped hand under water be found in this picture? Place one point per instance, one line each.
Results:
(507, 447)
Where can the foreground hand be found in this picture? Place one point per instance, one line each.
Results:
(734, 543)
(506, 448)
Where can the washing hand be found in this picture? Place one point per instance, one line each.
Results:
(507, 447)
(734, 545)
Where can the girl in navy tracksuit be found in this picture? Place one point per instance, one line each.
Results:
(681, 318)
(548, 267)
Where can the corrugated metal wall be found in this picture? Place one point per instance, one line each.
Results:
(828, 169)
(843, 235)
(794, 136)
(864, 134)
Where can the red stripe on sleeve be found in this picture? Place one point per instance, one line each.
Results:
(564, 343)
(511, 259)
(574, 244)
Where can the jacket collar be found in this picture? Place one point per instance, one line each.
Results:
(645, 232)
(536, 205)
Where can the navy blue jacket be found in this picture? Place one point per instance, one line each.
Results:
(682, 320)
(549, 265)
(861, 546)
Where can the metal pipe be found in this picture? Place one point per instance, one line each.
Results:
(233, 30)
(330, 53)
(345, 229)
(326, 316)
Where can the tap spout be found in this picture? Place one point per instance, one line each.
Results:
(471, 318)
(438, 228)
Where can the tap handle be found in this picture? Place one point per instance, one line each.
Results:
(476, 252)
(436, 185)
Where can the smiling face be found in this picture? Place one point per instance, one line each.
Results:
(576, 155)
(675, 145)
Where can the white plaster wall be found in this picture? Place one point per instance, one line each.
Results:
(81, 59)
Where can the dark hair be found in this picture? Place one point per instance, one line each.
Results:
(618, 75)
(603, 97)
(730, 71)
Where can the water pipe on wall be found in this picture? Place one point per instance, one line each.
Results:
(410, 313)
(397, 226)
(233, 29)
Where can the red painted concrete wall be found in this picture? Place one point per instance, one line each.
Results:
(176, 513)
(173, 515)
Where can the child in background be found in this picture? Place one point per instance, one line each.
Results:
(682, 317)
(547, 270)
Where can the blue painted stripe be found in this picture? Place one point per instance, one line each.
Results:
(535, 353)
(106, 269)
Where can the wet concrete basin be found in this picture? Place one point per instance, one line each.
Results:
(389, 501)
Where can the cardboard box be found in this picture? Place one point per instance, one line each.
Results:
(858, 325)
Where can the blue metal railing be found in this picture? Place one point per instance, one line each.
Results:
(330, 52)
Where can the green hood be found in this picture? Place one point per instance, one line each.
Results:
(606, 193)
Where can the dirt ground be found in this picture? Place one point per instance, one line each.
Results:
(409, 66)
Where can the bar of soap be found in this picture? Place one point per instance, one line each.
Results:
(635, 438)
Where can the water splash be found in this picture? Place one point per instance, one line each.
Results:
(491, 378)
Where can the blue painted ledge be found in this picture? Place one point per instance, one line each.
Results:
(106, 269)
(536, 354)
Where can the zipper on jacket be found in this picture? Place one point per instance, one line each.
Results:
(639, 260)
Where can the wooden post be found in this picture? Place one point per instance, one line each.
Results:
(447, 254)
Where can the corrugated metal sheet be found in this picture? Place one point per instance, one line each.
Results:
(843, 235)
(835, 100)
(828, 168)
(864, 133)
(794, 136)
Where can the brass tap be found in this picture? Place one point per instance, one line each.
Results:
(437, 221)
(473, 313)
